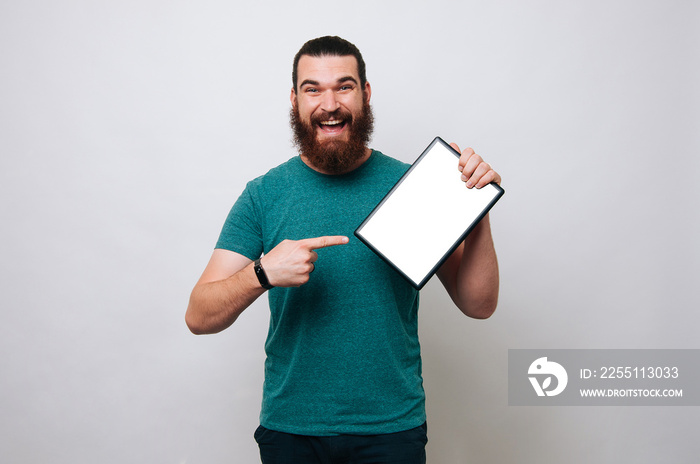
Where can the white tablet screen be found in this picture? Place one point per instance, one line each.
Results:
(426, 214)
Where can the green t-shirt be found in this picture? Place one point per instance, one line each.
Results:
(342, 350)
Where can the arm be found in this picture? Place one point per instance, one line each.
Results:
(470, 274)
(229, 285)
(226, 288)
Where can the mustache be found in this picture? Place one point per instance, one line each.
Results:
(339, 114)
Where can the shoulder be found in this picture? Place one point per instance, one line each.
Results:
(387, 161)
(291, 167)
(386, 166)
(286, 172)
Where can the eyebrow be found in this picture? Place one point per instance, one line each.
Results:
(339, 81)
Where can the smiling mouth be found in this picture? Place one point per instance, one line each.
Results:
(332, 126)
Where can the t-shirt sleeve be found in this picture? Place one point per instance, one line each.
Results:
(242, 231)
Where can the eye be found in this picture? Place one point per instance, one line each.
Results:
(311, 90)
(345, 87)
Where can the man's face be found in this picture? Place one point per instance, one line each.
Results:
(330, 116)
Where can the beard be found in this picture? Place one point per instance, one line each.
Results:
(333, 156)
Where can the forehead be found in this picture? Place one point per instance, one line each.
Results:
(326, 69)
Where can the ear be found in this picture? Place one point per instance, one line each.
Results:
(293, 98)
(367, 92)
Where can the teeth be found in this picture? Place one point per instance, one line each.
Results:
(333, 122)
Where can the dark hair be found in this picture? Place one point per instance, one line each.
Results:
(330, 46)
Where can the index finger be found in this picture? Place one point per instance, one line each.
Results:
(464, 157)
(325, 241)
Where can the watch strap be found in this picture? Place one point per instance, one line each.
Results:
(260, 273)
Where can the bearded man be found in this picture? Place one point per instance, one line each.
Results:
(343, 378)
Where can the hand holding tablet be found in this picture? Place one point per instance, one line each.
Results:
(429, 211)
(475, 171)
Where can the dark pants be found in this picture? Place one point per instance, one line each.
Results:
(399, 448)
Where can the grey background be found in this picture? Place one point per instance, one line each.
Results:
(127, 129)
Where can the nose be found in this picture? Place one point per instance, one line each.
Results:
(329, 102)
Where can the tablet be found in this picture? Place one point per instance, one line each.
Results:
(426, 215)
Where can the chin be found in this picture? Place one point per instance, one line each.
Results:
(322, 138)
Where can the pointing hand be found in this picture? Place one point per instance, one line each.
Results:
(291, 261)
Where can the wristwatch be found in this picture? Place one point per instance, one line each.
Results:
(260, 273)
